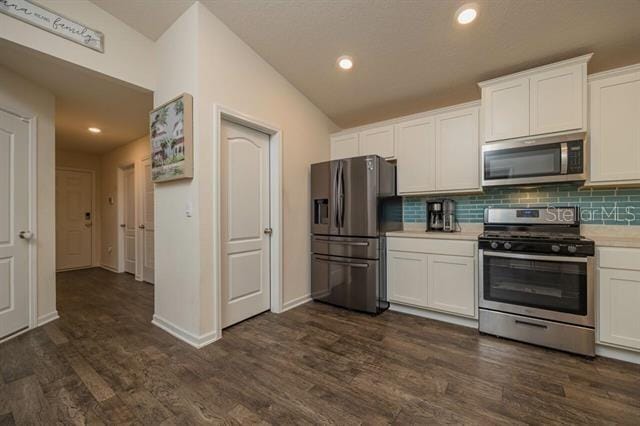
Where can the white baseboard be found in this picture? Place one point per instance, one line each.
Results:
(43, 319)
(438, 316)
(618, 353)
(296, 302)
(109, 268)
(182, 334)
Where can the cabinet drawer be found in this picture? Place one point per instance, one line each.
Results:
(619, 258)
(434, 246)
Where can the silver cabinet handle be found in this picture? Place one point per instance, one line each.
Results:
(26, 235)
(268, 231)
(122, 225)
(337, 262)
(141, 226)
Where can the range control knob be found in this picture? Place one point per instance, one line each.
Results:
(572, 249)
(555, 248)
(507, 246)
(494, 245)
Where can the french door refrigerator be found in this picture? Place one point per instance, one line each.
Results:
(354, 203)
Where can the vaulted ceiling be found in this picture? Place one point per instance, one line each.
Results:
(409, 55)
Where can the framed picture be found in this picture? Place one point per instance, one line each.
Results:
(171, 137)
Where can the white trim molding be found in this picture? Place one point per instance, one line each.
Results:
(182, 334)
(47, 318)
(617, 353)
(438, 316)
(294, 303)
(221, 112)
(614, 72)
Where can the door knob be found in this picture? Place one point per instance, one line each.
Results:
(141, 226)
(26, 235)
(268, 231)
(122, 225)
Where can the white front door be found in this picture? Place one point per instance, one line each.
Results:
(14, 218)
(74, 216)
(244, 220)
(129, 214)
(147, 223)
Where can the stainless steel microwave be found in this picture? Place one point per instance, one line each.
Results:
(535, 161)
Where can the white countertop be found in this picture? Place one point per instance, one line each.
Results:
(469, 232)
(603, 235)
(613, 235)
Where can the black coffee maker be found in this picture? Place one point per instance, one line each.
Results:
(441, 215)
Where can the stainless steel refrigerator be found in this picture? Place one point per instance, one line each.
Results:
(353, 204)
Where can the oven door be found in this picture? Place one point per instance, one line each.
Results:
(556, 288)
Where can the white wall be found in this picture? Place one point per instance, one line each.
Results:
(177, 255)
(126, 155)
(128, 55)
(215, 66)
(233, 75)
(26, 98)
(92, 162)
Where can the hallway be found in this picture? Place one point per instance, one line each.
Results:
(104, 362)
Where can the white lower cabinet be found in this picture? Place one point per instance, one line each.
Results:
(407, 275)
(433, 274)
(451, 284)
(619, 297)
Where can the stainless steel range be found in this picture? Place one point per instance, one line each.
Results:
(536, 278)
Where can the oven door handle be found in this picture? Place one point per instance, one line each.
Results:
(536, 257)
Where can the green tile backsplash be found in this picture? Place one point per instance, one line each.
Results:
(611, 206)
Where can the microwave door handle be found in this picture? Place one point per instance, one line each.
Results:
(564, 158)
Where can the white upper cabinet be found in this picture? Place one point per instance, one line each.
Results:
(344, 146)
(615, 128)
(457, 151)
(416, 153)
(378, 141)
(505, 109)
(548, 99)
(557, 99)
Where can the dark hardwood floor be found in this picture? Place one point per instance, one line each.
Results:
(103, 362)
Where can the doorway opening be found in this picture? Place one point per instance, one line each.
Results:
(83, 128)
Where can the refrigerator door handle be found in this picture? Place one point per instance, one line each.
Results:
(334, 193)
(341, 194)
(338, 262)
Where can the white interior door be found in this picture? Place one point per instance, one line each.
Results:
(74, 219)
(14, 218)
(147, 224)
(129, 224)
(244, 223)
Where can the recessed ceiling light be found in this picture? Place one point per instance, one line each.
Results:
(345, 62)
(94, 130)
(467, 13)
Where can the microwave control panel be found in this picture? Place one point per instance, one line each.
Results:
(575, 157)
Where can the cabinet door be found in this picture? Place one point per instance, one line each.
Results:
(505, 110)
(345, 146)
(557, 99)
(619, 304)
(407, 277)
(379, 141)
(416, 154)
(457, 151)
(451, 284)
(615, 128)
